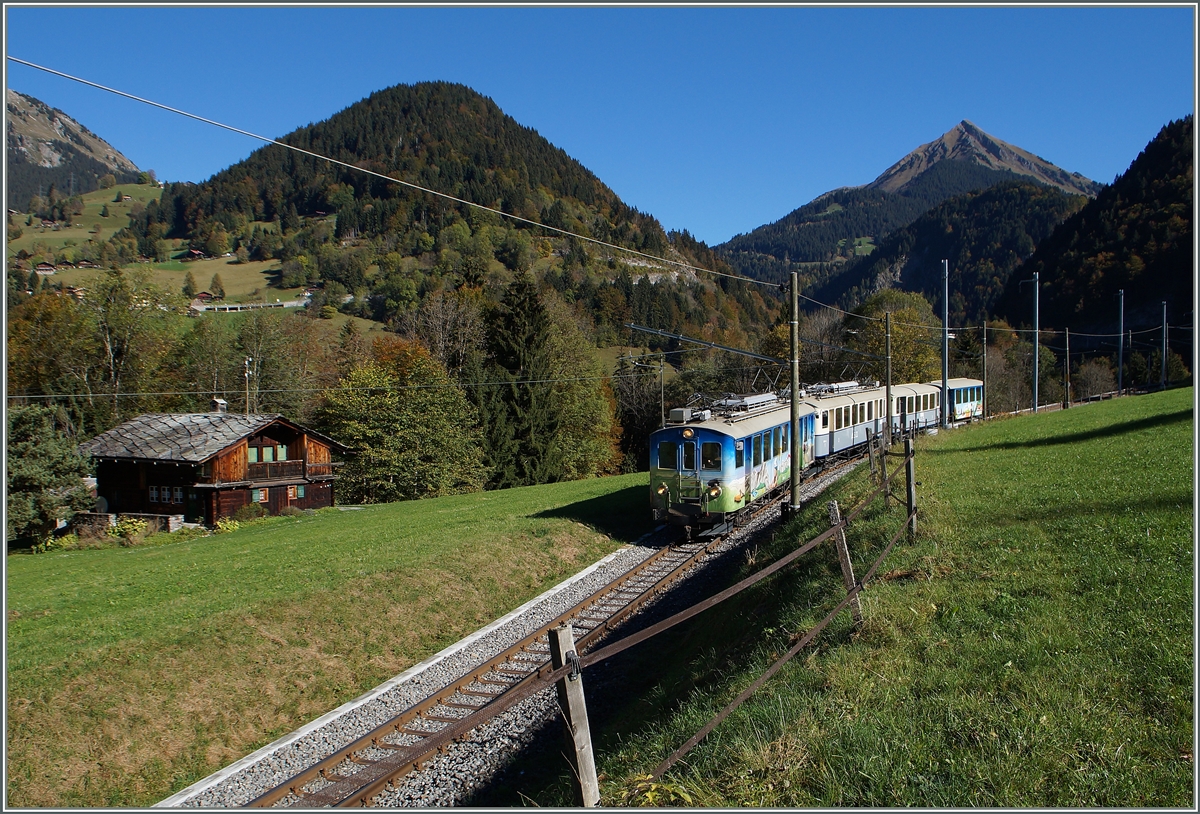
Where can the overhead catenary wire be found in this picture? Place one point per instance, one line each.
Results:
(389, 178)
(537, 224)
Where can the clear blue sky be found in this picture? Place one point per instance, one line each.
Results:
(715, 120)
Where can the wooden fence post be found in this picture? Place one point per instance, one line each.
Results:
(911, 479)
(574, 710)
(843, 555)
(871, 452)
(885, 479)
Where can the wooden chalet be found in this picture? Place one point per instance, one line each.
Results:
(205, 466)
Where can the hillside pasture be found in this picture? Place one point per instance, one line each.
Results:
(89, 225)
(133, 672)
(1032, 648)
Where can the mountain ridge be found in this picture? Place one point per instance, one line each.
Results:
(967, 142)
(45, 147)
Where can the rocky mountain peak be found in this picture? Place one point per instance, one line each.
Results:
(967, 142)
(46, 137)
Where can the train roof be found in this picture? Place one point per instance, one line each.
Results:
(740, 416)
(956, 384)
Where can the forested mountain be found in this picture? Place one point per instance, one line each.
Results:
(439, 135)
(510, 313)
(984, 235)
(47, 148)
(1136, 235)
(965, 159)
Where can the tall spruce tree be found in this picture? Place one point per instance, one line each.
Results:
(522, 415)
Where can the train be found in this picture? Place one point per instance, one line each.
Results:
(709, 466)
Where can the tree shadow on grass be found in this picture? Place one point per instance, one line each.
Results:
(623, 515)
(1089, 435)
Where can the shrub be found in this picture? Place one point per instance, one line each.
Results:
(251, 511)
(291, 511)
(226, 525)
(129, 530)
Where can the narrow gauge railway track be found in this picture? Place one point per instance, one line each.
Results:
(358, 771)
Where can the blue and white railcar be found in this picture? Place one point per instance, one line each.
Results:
(965, 398)
(846, 415)
(916, 407)
(708, 465)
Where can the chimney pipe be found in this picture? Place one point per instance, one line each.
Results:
(219, 405)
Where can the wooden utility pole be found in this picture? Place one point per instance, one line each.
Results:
(843, 555)
(797, 449)
(574, 711)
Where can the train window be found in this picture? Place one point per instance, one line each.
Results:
(668, 455)
(912, 406)
(757, 450)
(824, 419)
(786, 432)
(870, 410)
(739, 454)
(900, 405)
(775, 442)
(710, 455)
(766, 437)
(689, 455)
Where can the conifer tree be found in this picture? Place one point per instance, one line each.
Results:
(520, 358)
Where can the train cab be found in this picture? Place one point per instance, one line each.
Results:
(710, 464)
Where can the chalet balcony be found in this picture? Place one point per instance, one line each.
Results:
(278, 470)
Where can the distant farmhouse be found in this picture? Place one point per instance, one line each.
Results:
(205, 466)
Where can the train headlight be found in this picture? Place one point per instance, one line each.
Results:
(714, 490)
(661, 490)
(688, 433)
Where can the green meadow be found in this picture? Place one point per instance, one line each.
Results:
(133, 672)
(1032, 647)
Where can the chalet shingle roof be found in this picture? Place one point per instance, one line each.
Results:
(183, 437)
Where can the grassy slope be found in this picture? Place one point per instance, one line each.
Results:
(133, 672)
(1032, 648)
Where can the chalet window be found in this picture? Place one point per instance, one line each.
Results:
(291, 493)
(281, 452)
(258, 495)
(268, 454)
(178, 494)
(153, 494)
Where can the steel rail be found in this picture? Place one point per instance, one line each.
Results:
(594, 627)
(360, 787)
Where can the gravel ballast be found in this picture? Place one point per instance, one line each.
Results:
(468, 765)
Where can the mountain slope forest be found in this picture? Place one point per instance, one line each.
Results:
(1135, 235)
(508, 313)
(985, 235)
